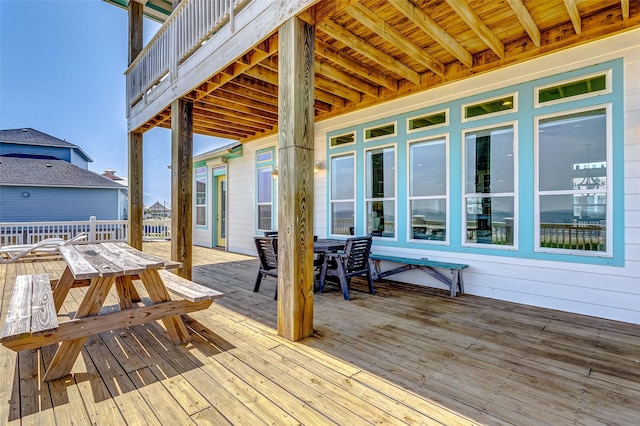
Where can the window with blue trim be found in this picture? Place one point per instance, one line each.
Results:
(572, 181)
(201, 196)
(380, 198)
(265, 161)
(489, 185)
(343, 194)
(428, 173)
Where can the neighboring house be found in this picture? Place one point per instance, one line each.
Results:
(124, 196)
(503, 136)
(45, 179)
(158, 211)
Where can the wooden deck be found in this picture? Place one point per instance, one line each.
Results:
(407, 355)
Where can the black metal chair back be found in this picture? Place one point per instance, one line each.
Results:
(354, 261)
(267, 249)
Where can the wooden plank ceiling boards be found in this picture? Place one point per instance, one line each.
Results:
(371, 51)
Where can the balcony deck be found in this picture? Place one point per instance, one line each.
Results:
(407, 355)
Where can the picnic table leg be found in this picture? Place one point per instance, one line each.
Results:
(69, 350)
(62, 288)
(127, 293)
(158, 293)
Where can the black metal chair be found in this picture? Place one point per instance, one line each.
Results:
(354, 261)
(267, 249)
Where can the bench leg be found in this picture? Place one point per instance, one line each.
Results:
(158, 293)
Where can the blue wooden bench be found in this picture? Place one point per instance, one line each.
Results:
(455, 283)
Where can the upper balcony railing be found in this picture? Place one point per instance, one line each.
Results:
(188, 28)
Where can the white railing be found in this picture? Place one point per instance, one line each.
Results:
(190, 25)
(96, 230)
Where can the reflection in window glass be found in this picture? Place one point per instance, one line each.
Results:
(343, 139)
(201, 201)
(489, 107)
(428, 190)
(573, 191)
(574, 88)
(381, 131)
(489, 186)
(343, 195)
(381, 192)
(428, 121)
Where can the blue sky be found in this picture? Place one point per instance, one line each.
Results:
(62, 66)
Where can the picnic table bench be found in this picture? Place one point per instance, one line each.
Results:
(454, 283)
(32, 322)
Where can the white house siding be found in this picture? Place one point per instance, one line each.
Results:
(598, 290)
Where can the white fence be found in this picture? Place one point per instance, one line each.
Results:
(97, 230)
(190, 25)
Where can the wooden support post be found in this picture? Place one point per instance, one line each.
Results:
(135, 30)
(182, 184)
(295, 179)
(136, 198)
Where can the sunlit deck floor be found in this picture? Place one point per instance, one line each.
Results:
(407, 355)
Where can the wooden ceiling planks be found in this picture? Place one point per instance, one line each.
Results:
(371, 51)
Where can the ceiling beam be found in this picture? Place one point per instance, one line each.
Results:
(220, 116)
(474, 22)
(625, 9)
(334, 55)
(381, 28)
(430, 27)
(333, 73)
(526, 20)
(356, 43)
(574, 14)
(235, 113)
(337, 89)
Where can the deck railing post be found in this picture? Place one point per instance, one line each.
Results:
(92, 229)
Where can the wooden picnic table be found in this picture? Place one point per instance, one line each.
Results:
(100, 266)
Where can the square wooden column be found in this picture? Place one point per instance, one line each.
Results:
(295, 179)
(135, 196)
(182, 184)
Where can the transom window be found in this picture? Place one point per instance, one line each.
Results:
(582, 87)
(345, 139)
(380, 131)
(490, 107)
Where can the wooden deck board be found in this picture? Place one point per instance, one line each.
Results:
(405, 355)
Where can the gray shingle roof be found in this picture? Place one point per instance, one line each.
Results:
(29, 136)
(58, 173)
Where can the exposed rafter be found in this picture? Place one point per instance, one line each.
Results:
(625, 9)
(376, 24)
(429, 26)
(526, 20)
(326, 51)
(574, 14)
(474, 22)
(361, 46)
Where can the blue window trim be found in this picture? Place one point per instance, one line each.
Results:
(260, 164)
(204, 175)
(525, 117)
